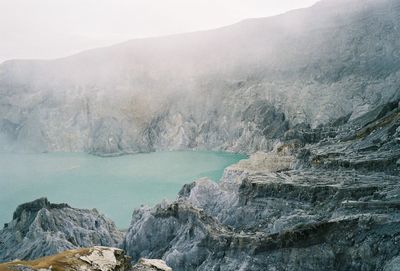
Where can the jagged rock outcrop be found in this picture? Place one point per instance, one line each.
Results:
(40, 228)
(237, 88)
(285, 211)
(89, 259)
(106, 259)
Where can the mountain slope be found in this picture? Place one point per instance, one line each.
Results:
(235, 88)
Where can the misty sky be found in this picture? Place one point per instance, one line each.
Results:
(56, 28)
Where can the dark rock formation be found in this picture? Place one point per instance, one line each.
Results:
(35, 206)
(370, 142)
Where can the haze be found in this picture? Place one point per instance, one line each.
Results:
(56, 28)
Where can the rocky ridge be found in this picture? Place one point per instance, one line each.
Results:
(40, 228)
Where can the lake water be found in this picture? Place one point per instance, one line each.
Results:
(114, 186)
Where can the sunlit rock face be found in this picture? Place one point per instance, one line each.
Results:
(151, 265)
(104, 259)
(236, 88)
(85, 259)
(40, 228)
(96, 258)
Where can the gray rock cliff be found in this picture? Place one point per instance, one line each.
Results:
(40, 228)
(329, 205)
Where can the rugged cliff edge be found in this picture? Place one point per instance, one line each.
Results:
(40, 228)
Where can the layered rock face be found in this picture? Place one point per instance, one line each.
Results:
(329, 205)
(370, 142)
(40, 228)
(237, 88)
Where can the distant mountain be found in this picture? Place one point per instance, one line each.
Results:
(236, 88)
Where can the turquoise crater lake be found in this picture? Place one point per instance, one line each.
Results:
(114, 186)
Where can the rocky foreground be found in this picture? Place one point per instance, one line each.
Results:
(326, 198)
(87, 259)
